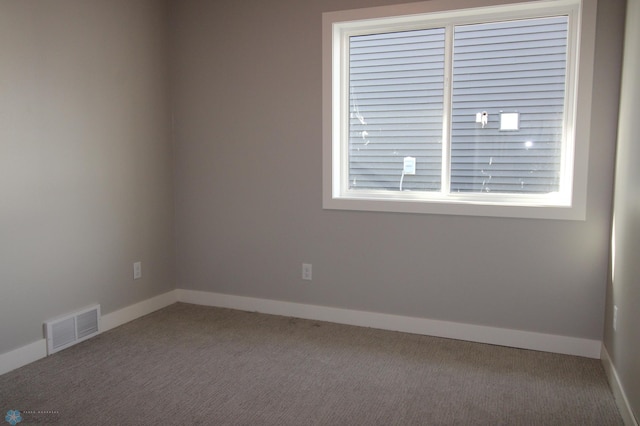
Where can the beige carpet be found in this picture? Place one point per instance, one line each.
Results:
(194, 365)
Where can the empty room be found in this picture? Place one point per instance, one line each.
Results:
(319, 212)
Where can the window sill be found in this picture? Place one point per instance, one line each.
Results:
(455, 207)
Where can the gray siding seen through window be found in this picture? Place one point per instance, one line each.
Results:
(396, 97)
(516, 66)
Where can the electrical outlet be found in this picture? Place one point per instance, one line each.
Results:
(615, 318)
(137, 270)
(409, 164)
(306, 271)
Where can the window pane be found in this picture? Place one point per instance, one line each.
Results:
(395, 100)
(508, 67)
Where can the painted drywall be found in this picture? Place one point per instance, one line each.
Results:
(623, 344)
(247, 103)
(85, 159)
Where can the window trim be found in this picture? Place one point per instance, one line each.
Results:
(572, 207)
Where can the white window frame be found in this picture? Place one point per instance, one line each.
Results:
(570, 204)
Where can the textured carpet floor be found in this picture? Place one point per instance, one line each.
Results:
(194, 365)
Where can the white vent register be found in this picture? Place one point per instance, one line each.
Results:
(66, 331)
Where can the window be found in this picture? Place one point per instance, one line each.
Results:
(472, 111)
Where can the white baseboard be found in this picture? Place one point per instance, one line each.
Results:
(34, 351)
(23, 356)
(469, 332)
(616, 387)
(131, 312)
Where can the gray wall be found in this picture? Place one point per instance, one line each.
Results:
(623, 345)
(246, 86)
(85, 159)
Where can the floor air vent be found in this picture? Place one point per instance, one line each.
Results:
(71, 329)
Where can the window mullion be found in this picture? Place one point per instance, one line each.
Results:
(446, 111)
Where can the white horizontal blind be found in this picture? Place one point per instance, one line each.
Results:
(396, 84)
(512, 66)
